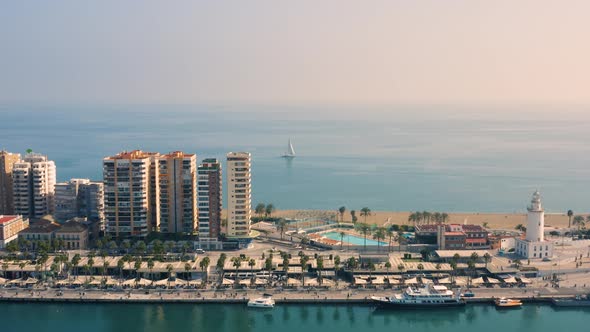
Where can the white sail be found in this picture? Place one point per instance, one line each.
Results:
(290, 150)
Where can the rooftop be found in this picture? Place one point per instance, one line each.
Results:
(72, 227)
(135, 154)
(5, 219)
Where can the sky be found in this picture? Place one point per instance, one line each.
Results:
(290, 52)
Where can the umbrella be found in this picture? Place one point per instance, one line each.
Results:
(413, 281)
(510, 280)
(426, 281)
(96, 282)
(163, 282)
(293, 282)
(359, 281)
(461, 281)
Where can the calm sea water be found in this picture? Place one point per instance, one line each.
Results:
(287, 318)
(397, 158)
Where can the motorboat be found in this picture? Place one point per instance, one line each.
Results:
(577, 301)
(426, 297)
(507, 303)
(265, 301)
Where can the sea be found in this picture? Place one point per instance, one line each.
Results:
(286, 318)
(400, 158)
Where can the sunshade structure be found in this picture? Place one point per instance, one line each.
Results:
(510, 280)
(245, 282)
(327, 282)
(360, 281)
(444, 281)
(23, 281)
(493, 280)
(392, 281)
(293, 282)
(378, 281)
(195, 282)
(3, 281)
(170, 283)
(477, 281)
(426, 280)
(525, 280)
(96, 281)
(227, 282)
(112, 282)
(461, 281)
(412, 281)
(311, 282)
(139, 282)
(260, 281)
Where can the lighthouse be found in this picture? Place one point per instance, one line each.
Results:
(534, 245)
(535, 225)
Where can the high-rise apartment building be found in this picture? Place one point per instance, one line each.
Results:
(176, 174)
(33, 184)
(209, 191)
(79, 198)
(239, 194)
(7, 161)
(131, 193)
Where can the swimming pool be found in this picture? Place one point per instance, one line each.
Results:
(354, 240)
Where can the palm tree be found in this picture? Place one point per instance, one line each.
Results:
(570, 214)
(365, 212)
(150, 265)
(342, 234)
(520, 227)
(268, 267)
(75, 261)
(281, 225)
(270, 208)
(260, 209)
(221, 264)
(437, 217)
(453, 265)
(120, 266)
(420, 267)
(342, 209)
(90, 262)
(371, 270)
(204, 264)
(427, 216)
(105, 267)
(286, 266)
(390, 234)
(4, 268)
(401, 267)
(320, 267)
(237, 262)
(364, 229)
(413, 218)
(579, 222)
(444, 217)
(352, 264)
(251, 264)
(353, 216)
(137, 266)
(303, 261)
(379, 235)
(187, 268)
(387, 266)
(169, 268)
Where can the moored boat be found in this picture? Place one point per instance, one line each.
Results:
(578, 301)
(429, 296)
(507, 303)
(265, 301)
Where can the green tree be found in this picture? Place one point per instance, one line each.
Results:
(320, 267)
(371, 267)
(137, 266)
(270, 209)
(204, 264)
(169, 268)
(352, 264)
(120, 266)
(365, 212)
(570, 214)
(4, 269)
(364, 229)
(281, 226)
(388, 266)
(303, 261)
(341, 210)
(353, 216)
(187, 268)
(251, 264)
(236, 262)
(487, 258)
(150, 266)
(75, 262)
(260, 210)
(268, 267)
(379, 235)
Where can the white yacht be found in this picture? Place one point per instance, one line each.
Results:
(290, 154)
(265, 301)
(426, 297)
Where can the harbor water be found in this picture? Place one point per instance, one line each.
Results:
(286, 318)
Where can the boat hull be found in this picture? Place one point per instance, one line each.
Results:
(383, 303)
(571, 303)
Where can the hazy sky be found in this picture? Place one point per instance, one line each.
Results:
(316, 51)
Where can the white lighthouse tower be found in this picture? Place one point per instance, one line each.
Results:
(535, 225)
(534, 244)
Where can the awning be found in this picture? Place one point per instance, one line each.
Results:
(227, 282)
(413, 281)
(461, 281)
(510, 280)
(426, 280)
(525, 280)
(393, 281)
(359, 281)
(293, 282)
(493, 280)
(444, 281)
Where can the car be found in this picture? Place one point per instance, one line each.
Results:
(546, 259)
(200, 251)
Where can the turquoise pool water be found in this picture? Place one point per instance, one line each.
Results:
(354, 240)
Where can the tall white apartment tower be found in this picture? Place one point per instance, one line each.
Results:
(239, 194)
(33, 181)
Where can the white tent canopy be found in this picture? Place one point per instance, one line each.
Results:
(413, 281)
(510, 280)
(493, 280)
(461, 281)
(477, 281)
(444, 281)
(293, 282)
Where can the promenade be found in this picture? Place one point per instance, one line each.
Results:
(340, 296)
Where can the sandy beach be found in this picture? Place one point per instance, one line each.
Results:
(493, 220)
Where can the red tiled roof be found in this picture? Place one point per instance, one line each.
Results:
(4, 219)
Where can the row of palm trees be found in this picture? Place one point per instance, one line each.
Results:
(426, 217)
(364, 212)
(264, 210)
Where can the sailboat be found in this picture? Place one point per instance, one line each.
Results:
(290, 154)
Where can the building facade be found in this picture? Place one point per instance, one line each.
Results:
(176, 174)
(10, 226)
(79, 198)
(39, 230)
(534, 244)
(131, 194)
(7, 161)
(74, 235)
(239, 195)
(453, 236)
(209, 189)
(33, 183)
